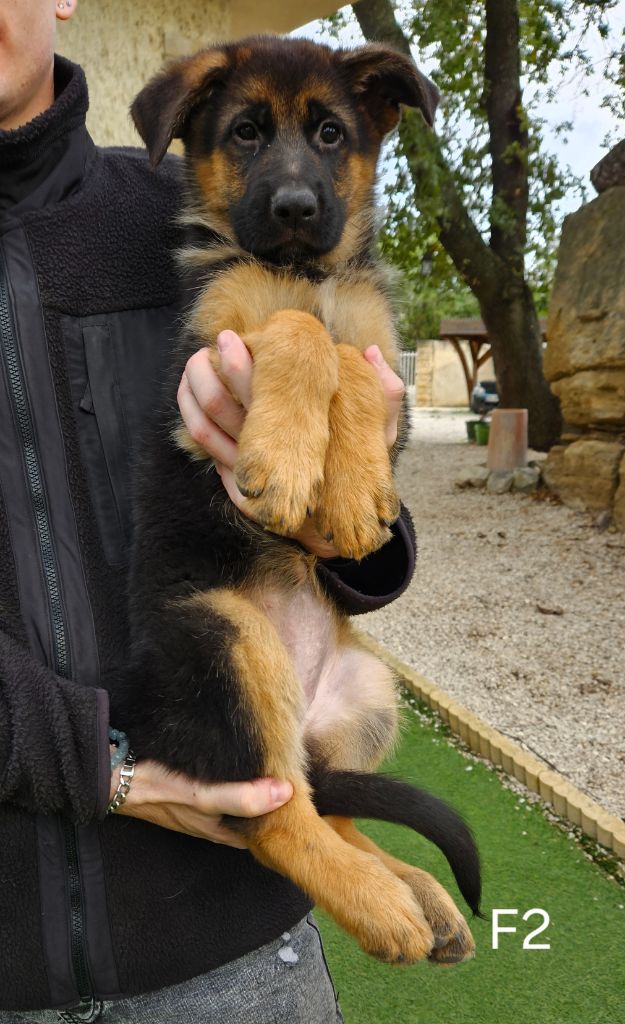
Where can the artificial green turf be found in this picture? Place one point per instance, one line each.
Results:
(527, 862)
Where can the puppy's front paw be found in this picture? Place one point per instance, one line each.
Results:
(358, 501)
(355, 515)
(281, 488)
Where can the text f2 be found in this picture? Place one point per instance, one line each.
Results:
(528, 943)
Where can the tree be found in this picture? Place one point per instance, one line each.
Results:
(428, 288)
(480, 205)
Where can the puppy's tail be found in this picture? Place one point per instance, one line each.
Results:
(351, 794)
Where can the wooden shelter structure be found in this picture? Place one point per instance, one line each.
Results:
(473, 332)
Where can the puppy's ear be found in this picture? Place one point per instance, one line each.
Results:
(382, 78)
(161, 110)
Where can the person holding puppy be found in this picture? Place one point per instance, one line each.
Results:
(150, 913)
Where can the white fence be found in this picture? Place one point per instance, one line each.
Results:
(407, 366)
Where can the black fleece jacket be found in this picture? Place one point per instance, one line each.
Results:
(93, 908)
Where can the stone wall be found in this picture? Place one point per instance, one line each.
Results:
(585, 358)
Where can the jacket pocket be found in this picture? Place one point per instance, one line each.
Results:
(118, 365)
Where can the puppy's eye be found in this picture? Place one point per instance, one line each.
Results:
(246, 131)
(330, 133)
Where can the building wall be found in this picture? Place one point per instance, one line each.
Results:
(120, 45)
(250, 16)
(440, 381)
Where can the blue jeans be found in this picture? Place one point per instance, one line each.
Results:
(284, 982)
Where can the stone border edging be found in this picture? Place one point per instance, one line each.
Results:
(567, 801)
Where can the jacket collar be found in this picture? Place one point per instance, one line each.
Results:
(44, 160)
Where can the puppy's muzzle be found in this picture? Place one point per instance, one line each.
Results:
(294, 207)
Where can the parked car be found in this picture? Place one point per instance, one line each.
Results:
(484, 397)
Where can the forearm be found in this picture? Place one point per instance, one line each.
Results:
(174, 801)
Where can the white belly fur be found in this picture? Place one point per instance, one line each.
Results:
(341, 684)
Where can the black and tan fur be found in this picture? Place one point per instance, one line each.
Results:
(233, 639)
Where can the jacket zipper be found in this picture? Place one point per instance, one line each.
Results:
(60, 643)
(77, 918)
(34, 476)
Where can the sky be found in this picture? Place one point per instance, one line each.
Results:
(591, 123)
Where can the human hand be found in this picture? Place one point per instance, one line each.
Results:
(186, 805)
(214, 418)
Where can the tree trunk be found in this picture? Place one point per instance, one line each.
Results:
(378, 22)
(493, 273)
(507, 130)
(516, 339)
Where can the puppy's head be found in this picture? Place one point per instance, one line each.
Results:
(282, 138)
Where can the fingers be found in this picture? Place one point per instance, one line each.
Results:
(155, 784)
(244, 799)
(214, 418)
(235, 366)
(393, 388)
(237, 799)
(309, 537)
(227, 478)
(202, 428)
(182, 818)
(185, 805)
(212, 415)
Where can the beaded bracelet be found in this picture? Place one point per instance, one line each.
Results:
(125, 778)
(120, 740)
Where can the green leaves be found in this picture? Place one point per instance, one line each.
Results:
(450, 178)
(449, 37)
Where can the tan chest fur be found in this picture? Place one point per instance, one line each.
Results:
(352, 306)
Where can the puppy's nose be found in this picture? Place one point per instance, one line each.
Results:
(293, 204)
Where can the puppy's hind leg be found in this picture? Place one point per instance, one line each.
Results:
(354, 887)
(356, 735)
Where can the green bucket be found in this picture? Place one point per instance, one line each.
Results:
(471, 425)
(482, 430)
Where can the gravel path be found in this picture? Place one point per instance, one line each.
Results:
(552, 679)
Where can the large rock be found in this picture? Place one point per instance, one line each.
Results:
(586, 326)
(585, 356)
(499, 481)
(475, 476)
(584, 475)
(610, 171)
(592, 397)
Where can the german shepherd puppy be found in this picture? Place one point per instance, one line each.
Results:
(242, 665)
